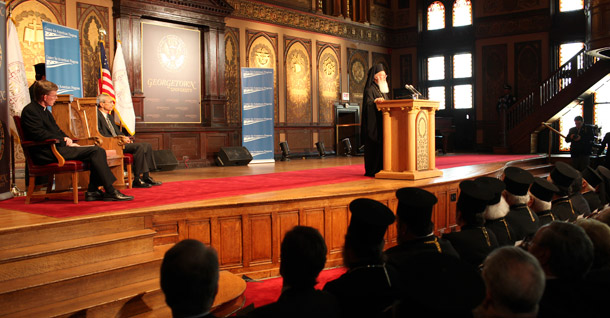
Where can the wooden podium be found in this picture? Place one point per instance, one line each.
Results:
(408, 139)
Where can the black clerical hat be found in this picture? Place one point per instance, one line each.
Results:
(543, 189)
(592, 177)
(415, 207)
(474, 197)
(563, 174)
(495, 185)
(603, 172)
(40, 69)
(517, 180)
(370, 220)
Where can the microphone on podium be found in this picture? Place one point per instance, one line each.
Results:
(413, 90)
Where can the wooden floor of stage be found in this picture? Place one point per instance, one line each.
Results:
(11, 218)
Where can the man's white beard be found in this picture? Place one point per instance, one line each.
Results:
(383, 86)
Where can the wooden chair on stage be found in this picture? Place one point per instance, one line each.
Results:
(62, 166)
(77, 117)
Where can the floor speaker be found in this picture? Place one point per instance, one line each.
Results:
(165, 160)
(233, 156)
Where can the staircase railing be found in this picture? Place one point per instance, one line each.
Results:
(561, 79)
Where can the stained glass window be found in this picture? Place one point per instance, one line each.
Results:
(436, 68)
(436, 16)
(437, 93)
(462, 96)
(462, 65)
(462, 13)
(571, 5)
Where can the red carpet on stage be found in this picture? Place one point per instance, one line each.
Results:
(193, 190)
(268, 291)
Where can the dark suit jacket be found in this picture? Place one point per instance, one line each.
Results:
(38, 125)
(563, 210)
(585, 144)
(503, 231)
(593, 200)
(427, 244)
(103, 128)
(546, 217)
(523, 221)
(300, 303)
(473, 243)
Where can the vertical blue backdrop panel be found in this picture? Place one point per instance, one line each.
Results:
(257, 112)
(62, 58)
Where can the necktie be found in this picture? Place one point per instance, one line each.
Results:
(110, 126)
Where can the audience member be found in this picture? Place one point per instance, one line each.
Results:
(520, 217)
(473, 242)
(496, 211)
(189, 279)
(566, 254)
(579, 203)
(302, 257)
(562, 176)
(369, 286)
(415, 230)
(39, 124)
(542, 192)
(590, 188)
(604, 216)
(514, 283)
(439, 285)
(604, 187)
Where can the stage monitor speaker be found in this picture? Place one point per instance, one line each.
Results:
(233, 156)
(165, 160)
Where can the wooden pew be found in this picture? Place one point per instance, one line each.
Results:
(77, 117)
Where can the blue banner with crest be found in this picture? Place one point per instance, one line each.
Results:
(62, 58)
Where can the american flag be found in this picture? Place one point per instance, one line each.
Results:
(105, 81)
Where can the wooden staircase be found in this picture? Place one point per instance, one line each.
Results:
(105, 268)
(561, 89)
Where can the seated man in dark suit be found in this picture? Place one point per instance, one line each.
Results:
(38, 124)
(189, 279)
(590, 188)
(302, 257)
(142, 152)
(496, 211)
(520, 217)
(542, 192)
(562, 177)
(369, 286)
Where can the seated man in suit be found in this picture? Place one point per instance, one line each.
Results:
(38, 124)
(141, 151)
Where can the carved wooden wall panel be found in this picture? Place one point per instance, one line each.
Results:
(200, 230)
(229, 246)
(329, 80)
(495, 75)
(386, 61)
(358, 66)
(495, 7)
(90, 19)
(327, 136)
(155, 140)
(297, 71)
(528, 67)
(261, 236)
(338, 220)
(315, 219)
(185, 144)
(215, 141)
(406, 69)
(232, 76)
(299, 140)
(286, 220)
(262, 53)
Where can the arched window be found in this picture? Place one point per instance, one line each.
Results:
(568, 50)
(571, 5)
(436, 16)
(462, 12)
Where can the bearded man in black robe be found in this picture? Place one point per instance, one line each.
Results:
(375, 90)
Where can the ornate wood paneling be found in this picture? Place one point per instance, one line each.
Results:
(262, 52)
(406, 69)
(200, 230)
(185, 144)
(495, 75)
(232, 76)
(229, 246)
(281, 16)
(90, 19)
(495, 7)
(512, 25)
(528, 67)
(338, 219)
(260, 234)
(329, 80)
(315, 219)
(297, 71)
(299, 140)
(358, 66)
(286, 220)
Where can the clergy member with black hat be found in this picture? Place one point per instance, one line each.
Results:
(496, 210)
(591, 181)
(562, 176)
(375, 90)
(40, 75)
(542, 192)
(369, 286)
(415, 230)
(604, 187)
(520, 217)
(473, 242)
